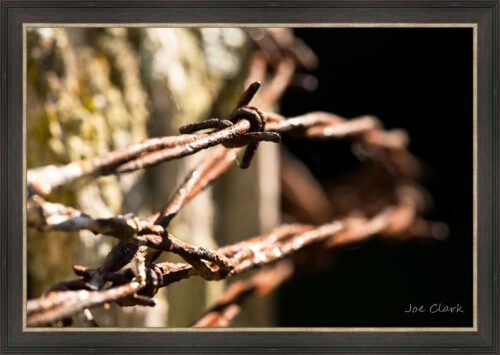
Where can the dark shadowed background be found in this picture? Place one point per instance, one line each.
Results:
(420, 80)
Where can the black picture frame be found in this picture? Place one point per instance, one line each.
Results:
(485, 14)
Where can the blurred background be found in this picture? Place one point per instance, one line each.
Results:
(93, 90)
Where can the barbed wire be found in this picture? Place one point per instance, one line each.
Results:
(207, 263)
(276, 252)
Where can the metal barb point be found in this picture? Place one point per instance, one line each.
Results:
(248, 94)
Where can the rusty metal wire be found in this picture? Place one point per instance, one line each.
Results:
(244, 256)
(229, 304)
(278, 252)
(249, 129)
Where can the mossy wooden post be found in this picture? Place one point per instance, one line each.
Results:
(85, 98)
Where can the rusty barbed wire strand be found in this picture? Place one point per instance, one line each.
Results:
(275, 43)
(197, 180)
(303, 192)
(133, 230)
(44, 179)
(389, 223)
(290, 44)
(205, 141)
(129, 229)
(400, 221)
(229, 303)
(257, 252)
(74, 301)
(319, 125)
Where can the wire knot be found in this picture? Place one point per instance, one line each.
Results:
(251, 138)
(257, 124)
